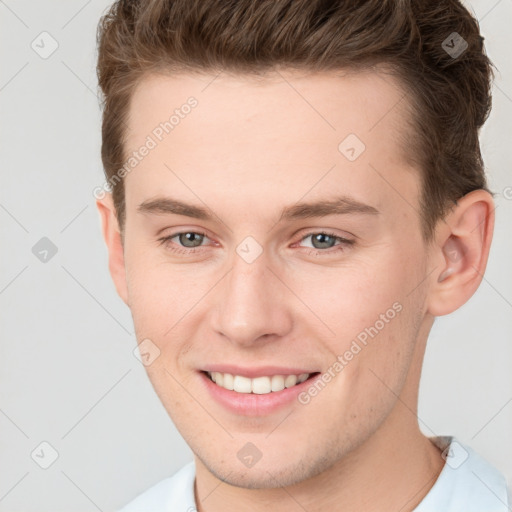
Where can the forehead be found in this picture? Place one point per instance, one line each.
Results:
(325, 102)
(287, 133)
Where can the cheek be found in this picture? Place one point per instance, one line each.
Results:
(353, 298)
(162, 299)
(373, 320)
(159, 293)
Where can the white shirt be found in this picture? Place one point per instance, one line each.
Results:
(467, 483)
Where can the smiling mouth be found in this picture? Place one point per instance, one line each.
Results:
(258, 385)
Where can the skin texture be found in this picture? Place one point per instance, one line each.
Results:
(247, 150)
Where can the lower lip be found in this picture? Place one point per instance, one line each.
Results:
(252, 404)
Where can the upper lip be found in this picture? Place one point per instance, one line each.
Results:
(260, 371)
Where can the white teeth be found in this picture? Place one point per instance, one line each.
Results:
(290, 381)
(258, 385)
(302, 377)
(261, 385)
(241, 384)
(277, 383)
(228, 381)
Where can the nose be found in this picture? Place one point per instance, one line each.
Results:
(253, 306)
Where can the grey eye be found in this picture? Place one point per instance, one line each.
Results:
(322, 240)
(190, 239)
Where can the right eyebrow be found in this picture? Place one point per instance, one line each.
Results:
(173, 206)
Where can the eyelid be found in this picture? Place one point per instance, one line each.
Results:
(326, 231)
(341, 239)
(166, 238)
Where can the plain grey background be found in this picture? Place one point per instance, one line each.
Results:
(68, 374)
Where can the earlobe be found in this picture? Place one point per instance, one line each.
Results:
(112, 237)
(462, 247)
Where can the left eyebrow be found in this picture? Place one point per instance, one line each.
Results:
(342, 205)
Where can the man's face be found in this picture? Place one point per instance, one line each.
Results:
(264, 294)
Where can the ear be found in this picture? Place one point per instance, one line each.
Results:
(461, 250)
(112, 237)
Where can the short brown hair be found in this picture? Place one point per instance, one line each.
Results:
(448, 94)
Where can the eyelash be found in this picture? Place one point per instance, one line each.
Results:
(314, 252)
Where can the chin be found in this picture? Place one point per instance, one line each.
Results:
(266, 476)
